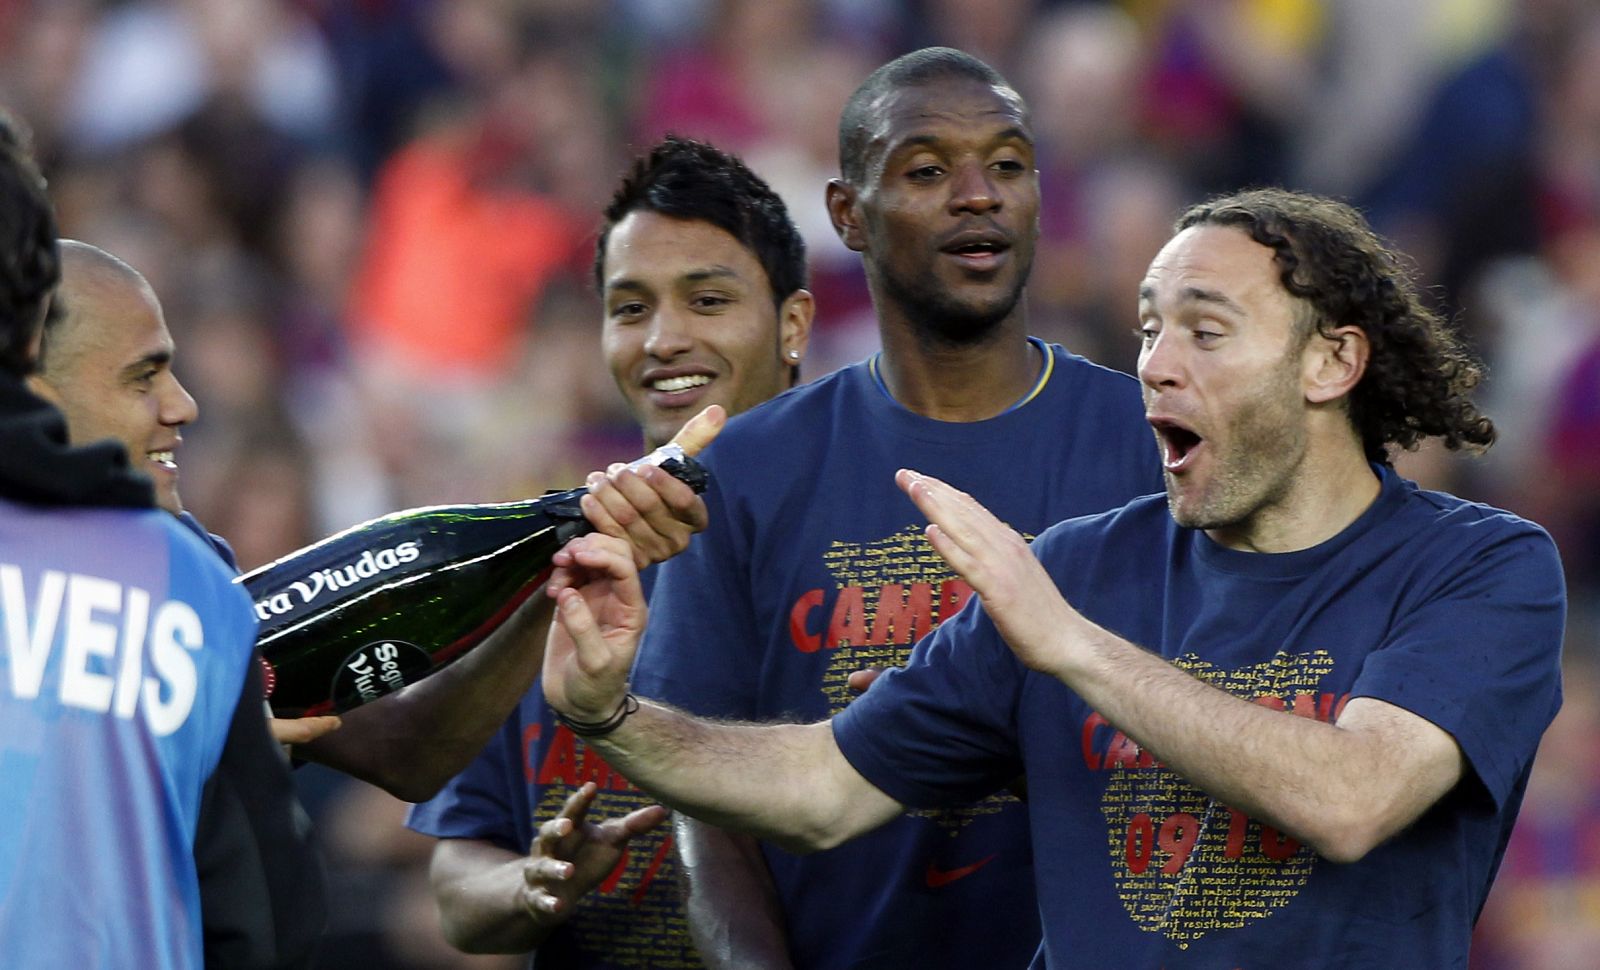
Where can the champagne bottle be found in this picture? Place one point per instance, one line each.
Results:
(385, 603)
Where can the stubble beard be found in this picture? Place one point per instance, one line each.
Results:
(1257, 466)
(941, 317)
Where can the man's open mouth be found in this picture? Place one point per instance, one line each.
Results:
(977, 247)
(1178, 443)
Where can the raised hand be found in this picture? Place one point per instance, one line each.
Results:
(1018, 594)
(571, 855)
(600, 614)
(653, 511)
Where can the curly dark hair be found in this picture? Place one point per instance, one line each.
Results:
(30, 265)
(1419, 378)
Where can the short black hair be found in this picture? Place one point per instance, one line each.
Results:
(688, 179)
(916, 68)
(30, 266)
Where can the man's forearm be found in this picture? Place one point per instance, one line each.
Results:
(476, 885)
(1340, 787)
(731, 903)
(787, 783)
(412, 742)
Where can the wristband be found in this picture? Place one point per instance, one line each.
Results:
(601, 728)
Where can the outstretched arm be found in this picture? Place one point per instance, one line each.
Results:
(788, 783)
(1342, 788)
(495, 901)
(411, 742)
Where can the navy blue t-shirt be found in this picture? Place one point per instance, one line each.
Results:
(815, 565)
(1450, 610)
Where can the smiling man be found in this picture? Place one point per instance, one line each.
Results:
(1284, 716)
(107, 364)
(705, 299)
(129, 684)
(702, 278)
(811, 568)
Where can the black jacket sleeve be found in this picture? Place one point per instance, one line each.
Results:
(262, 890)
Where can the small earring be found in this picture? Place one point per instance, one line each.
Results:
(794, 355)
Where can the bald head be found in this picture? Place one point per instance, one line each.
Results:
(106, 362)
(93, 283)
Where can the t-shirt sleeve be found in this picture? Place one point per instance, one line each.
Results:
(702, 649)
(942, 730)
(1480, 657)
(485, 800)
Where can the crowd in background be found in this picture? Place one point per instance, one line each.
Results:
(371, 224)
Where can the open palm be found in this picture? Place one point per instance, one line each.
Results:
(600, 616)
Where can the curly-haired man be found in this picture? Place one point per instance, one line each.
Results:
(1289, 723)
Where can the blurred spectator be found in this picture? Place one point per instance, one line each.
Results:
(372, 223)
(149, 65)
(993, 31)
(1541, 914)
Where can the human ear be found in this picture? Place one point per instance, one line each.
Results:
(1334, 362)
(794, 326)
(845, 215)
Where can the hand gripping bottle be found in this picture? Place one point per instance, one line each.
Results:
(385, 603)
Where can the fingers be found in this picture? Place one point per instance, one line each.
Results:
(548, 838)
(617, 832)
(937, 501)
(561, 836)
(699, 430)
(960, 517)
(577, 803)
(594, 684)
(542, 878)
(642, 820)
(598, 511)
(591, 557)
(648, 507)
(935, 498)
(860, 680)
(302, 730)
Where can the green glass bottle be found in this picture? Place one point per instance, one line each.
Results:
(383, 604)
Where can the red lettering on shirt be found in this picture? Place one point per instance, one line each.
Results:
(1091, 724)
(902, 618)
(953, 595)
(651, 870)
(805, 642)
(572, 764)
(846, 628)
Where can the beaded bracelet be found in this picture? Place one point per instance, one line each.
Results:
(601, 728)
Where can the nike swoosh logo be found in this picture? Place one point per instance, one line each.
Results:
(937, 877)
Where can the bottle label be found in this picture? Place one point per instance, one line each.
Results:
(379, 668)
(308, 588)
